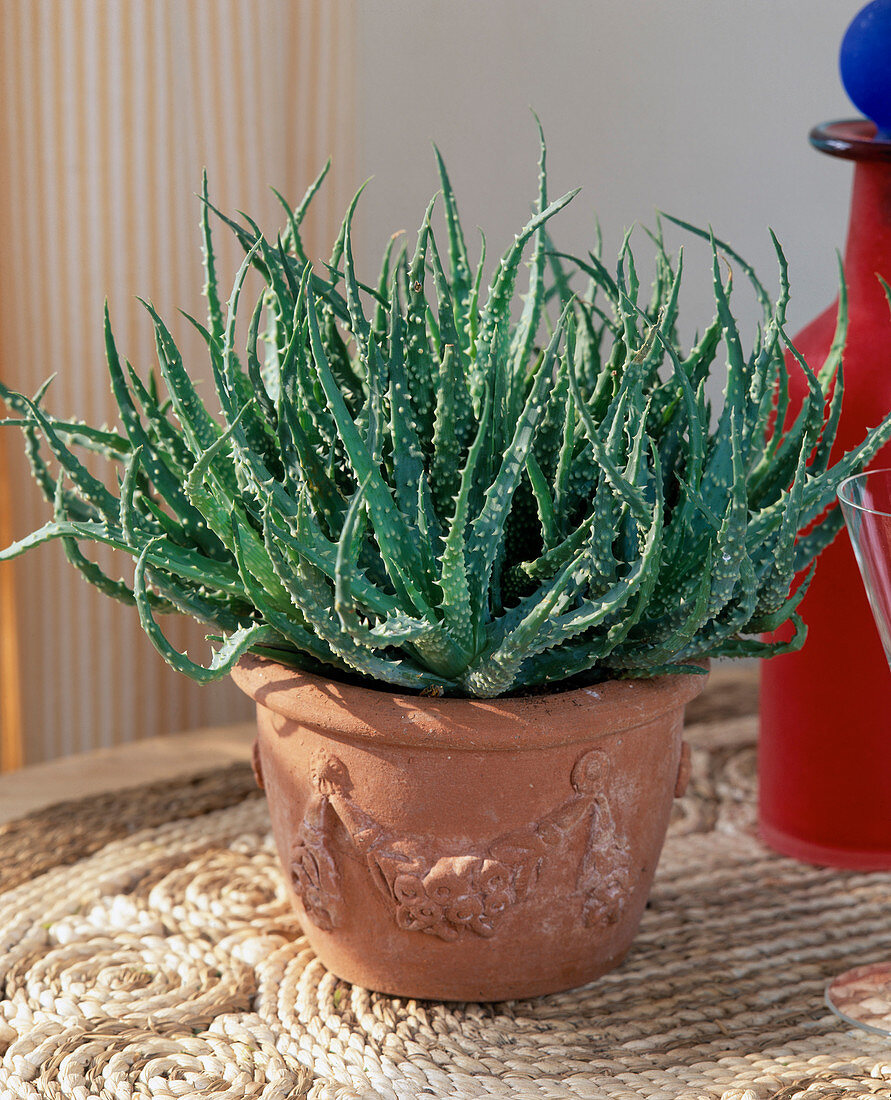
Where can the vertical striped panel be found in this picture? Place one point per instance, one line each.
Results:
(110, 110)
(12, 299)
(11, 739)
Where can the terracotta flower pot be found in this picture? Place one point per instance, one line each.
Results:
(459, 849)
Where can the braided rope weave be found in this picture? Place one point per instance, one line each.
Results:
(163, 961)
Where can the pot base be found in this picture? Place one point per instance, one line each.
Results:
(416, 987)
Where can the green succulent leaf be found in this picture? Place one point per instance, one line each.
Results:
(443, 488)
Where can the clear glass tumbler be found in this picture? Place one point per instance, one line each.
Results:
(863, 996)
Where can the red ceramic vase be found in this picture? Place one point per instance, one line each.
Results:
(825, 742)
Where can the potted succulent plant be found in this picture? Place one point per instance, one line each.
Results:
(470, 561)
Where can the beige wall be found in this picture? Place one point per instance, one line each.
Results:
(698, 107)
(109, 109)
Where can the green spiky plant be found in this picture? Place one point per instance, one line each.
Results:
(410, 484)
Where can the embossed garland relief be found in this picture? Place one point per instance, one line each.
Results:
(446, 893)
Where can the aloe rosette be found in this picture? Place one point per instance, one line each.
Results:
(416, 483)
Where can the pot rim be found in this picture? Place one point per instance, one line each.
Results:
(505, 723)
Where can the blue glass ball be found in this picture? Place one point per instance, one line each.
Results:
(865, 63)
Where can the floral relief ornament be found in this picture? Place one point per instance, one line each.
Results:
(448, 895)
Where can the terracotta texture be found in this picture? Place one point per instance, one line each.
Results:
(458, 849)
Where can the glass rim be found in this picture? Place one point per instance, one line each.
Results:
(861, 477)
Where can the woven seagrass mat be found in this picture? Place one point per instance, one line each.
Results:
(147, 950)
